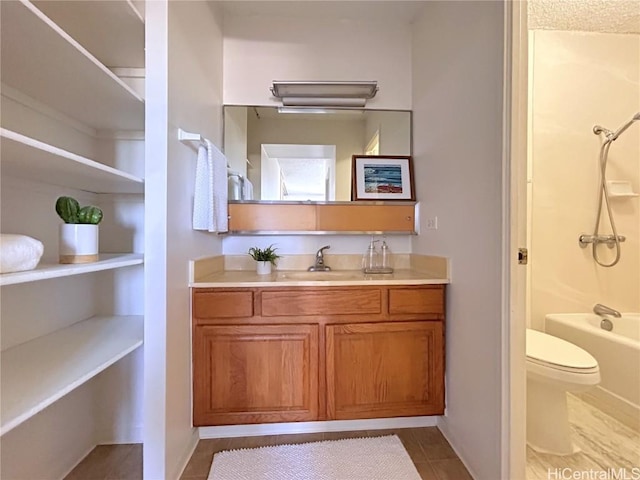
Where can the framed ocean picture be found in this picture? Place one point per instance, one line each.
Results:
(382, 177)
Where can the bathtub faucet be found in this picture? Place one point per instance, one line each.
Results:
(600, 309)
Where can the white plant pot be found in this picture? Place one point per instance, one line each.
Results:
(78, 243)
(263, 268)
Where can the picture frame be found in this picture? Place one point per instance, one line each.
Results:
(382, 177)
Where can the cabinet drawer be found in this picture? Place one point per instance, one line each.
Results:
(321, 302)
(416, 300)
(222, 304)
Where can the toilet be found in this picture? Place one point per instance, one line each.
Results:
(554, 367)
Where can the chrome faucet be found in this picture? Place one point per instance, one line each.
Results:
(600, 309)
(319, 266)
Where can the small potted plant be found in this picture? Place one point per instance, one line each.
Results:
(79, 233)
(265, 258)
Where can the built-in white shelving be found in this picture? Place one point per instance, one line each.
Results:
(37, 373)
(45, 63)
(44, 271)
(113, 30)
(25, 157)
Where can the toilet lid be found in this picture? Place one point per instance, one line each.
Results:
(555, 352)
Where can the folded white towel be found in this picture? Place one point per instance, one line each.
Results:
(210, 210)
(19, 253)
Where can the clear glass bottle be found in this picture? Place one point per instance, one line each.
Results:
(371, 258)
(386, 261)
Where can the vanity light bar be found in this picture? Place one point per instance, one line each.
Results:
(340, 94)
(351, 112)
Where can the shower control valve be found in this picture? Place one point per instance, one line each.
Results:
(610, 240)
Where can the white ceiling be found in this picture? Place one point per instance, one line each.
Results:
(371, 11)
(605, 16)
(609, 16)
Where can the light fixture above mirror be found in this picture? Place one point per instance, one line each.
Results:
(324, 94)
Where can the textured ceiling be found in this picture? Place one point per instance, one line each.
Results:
(607, 16)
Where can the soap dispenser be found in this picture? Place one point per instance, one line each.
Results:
(371, 258)
(386, 263)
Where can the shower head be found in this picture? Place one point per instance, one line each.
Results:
(617, 133)
(611, 136)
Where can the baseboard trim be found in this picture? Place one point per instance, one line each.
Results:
(187, 454)
(446, 433)
(261, 429)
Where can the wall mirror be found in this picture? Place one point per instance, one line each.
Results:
(294, 154)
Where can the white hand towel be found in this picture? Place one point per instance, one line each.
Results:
(247, 190)
(210, 209)
(220, 194)
(202, 196)
(19, 253)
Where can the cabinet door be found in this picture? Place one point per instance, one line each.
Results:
(384, 370)
(366, 218)
(255, 374)
(244, 217)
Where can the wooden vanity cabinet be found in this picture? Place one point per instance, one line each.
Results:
(285, 354)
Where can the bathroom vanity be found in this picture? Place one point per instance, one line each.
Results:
(287, 349)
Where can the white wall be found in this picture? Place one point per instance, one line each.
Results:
(184, 89)
(394, 132)
(457, 102)
(259, 50)
(582, 79)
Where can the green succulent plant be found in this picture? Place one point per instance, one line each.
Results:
(70, 211)
(264, 254)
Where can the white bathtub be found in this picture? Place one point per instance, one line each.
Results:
(617, 353)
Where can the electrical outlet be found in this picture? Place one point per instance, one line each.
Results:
(432, 223)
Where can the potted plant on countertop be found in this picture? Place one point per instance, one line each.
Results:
(79, 233)
(265, 258)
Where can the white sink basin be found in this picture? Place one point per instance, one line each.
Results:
(335, 276)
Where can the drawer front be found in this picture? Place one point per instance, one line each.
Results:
(416, 300)
(223, 304)
(321, 302)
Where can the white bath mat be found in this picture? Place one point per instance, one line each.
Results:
(376, 458)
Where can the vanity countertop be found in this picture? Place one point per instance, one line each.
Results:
(297, 278)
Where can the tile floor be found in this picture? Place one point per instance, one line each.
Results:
(110, 462)
(433, 456)
(606, 446)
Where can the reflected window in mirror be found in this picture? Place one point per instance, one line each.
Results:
(305, 156)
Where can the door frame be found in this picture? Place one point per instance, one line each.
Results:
(514, 229)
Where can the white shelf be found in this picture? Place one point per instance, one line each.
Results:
(46, 271)
(37, 373)
(620, 189)
(28, 158)
(43, 62)
(112, 30)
